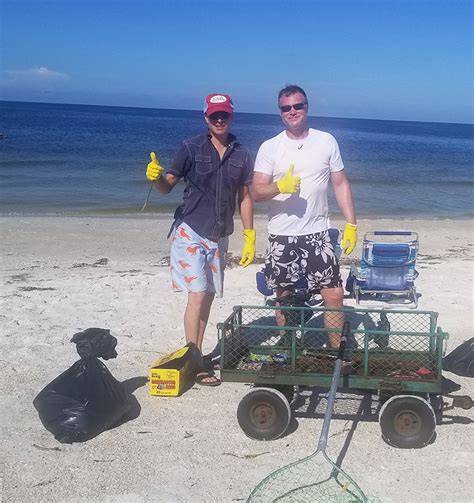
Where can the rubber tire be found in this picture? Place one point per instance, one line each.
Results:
(264, 414)
(384, 396)
(407, 422)
(287, 390)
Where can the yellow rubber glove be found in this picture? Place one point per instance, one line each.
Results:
(154, 170)
(248, 253)
(349, 238)
(289, 183)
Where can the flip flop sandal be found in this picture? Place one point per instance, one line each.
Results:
(200, 376)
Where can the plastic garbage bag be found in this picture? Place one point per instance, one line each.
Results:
(461, 360)
(86, 399)
(95, 342)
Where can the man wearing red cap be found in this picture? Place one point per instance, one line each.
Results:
(217, 170)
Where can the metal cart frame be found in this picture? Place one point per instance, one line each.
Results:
(396, 353)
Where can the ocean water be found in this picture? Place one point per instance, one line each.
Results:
(91, 160)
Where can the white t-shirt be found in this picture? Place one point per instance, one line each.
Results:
(314, 158)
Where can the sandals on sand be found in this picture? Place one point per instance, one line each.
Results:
(207, 378)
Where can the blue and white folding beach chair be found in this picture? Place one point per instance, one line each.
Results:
(387, 268)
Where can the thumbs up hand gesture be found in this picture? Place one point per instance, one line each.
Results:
(289, 183)
(153, 169)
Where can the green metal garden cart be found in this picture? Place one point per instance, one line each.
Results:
(397, 354)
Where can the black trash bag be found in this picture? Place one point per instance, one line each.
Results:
(461, 360)
(95, 342)
(86, 399)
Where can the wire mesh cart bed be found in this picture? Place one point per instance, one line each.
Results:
(397, 354)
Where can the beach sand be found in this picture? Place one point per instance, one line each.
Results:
(61, 275)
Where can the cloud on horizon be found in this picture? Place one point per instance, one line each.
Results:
(38, 74)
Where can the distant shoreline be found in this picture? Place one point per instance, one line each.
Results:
(271, 114)
(260, 215)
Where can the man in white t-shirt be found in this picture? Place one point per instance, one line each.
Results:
(292, 171)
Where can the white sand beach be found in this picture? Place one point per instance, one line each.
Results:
(61, 275)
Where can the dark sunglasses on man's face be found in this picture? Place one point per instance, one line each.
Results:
(219, 115)
(296, 106)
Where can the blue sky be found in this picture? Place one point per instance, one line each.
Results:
(401, 60)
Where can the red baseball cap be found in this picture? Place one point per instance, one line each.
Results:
(218, 103)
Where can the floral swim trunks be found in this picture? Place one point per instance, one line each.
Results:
(312, 256)
(197, 263)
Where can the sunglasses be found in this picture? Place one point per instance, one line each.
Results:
(219, 115)
(296, 106)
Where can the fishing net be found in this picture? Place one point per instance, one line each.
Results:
(315, 478)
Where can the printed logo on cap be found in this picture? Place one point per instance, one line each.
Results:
(218, 98)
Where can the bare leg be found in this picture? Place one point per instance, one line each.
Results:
(196, 317)
(280, 317)
(205, 310)
(333, 298)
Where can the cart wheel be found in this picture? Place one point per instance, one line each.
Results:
(407, 421)
(287, 390)
(264, 414)
(385, 395)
